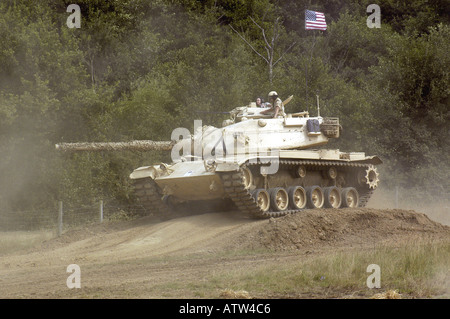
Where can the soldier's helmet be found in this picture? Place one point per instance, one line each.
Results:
(273, 94)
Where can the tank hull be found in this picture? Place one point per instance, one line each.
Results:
(321, 177)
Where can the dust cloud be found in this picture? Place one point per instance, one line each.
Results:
(435, 203)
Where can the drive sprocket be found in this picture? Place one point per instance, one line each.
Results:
(371, 177)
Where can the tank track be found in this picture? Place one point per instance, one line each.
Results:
(149, 198)
(244, 201)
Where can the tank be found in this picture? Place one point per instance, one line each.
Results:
(262, 166)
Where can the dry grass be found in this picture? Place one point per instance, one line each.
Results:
(408, 270)
(390, 294)
(231, 294)
(20, 240)
(418, 269)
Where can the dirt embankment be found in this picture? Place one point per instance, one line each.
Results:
(343, 227)
(231, 231)
(132, 259)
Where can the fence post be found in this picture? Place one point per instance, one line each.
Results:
(396, 196)
(60, 218)
(101, 211)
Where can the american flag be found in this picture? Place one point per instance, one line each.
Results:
(315, 20)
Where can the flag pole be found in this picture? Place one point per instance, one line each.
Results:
(307, 65)
(314, 20)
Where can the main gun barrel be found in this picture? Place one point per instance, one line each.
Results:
(144, 145)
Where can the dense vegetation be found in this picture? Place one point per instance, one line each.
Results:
(137, 69)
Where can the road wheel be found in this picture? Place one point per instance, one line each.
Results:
(279, 199)
(332, 197)
(314, 197)
(350, 197)
(297, 197)
(262, 199)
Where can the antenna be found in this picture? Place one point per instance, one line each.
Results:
(318, 106)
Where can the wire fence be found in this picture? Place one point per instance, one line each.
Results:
(65, 217)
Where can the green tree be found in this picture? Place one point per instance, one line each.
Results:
(411, 100)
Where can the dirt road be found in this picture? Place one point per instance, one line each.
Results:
(181, 258)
